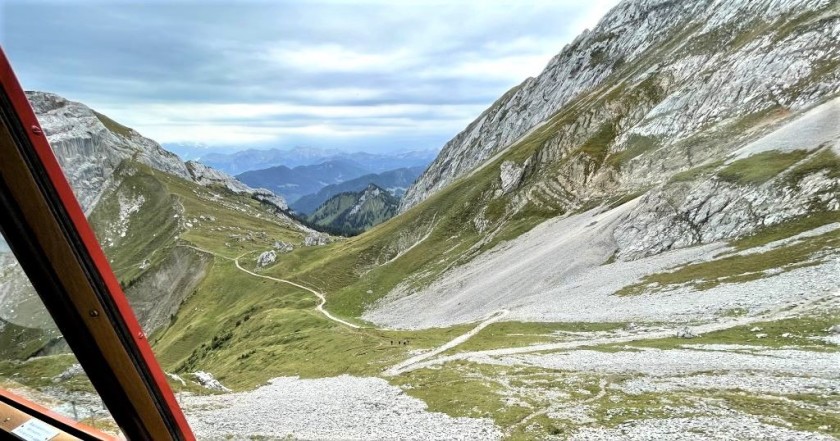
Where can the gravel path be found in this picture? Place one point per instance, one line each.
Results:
(752, 382)
(338, 408)
(402, 367)
(620, 337)
(673, 362)
(320, 296)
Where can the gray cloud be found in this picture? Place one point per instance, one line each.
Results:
(329, 73)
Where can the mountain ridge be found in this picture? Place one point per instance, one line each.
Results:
(258, 159)
(395, 181)
(625, 48)
(354, 212)
(294, 183)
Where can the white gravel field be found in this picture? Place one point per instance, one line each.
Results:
(556, 273)
(337, 408)
(740, 427)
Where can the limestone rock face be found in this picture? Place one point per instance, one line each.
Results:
(89, 151)
(672, 218)
(314, 239)
(510, 175)
(209, 176)
(683, 67)
(283, 247)
(90, 146)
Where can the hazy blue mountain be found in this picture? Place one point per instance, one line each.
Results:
(256, 159)
(394, 181)
(292, 183)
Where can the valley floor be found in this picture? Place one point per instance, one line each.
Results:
(638, 383)
(530, 350)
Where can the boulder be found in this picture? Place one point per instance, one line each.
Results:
(267, 258)
(685, 333)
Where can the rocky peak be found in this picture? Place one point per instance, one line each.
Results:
(680, 67)
(209, 176)
(90, 146)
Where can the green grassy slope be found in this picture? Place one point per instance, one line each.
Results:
(150, 231)
(354, 212)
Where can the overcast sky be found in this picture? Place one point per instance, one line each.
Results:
(389, 75)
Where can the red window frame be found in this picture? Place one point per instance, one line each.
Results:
(46, 229)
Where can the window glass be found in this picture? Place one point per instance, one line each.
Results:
(35, 361)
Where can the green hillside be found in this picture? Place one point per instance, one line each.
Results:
(353, 212)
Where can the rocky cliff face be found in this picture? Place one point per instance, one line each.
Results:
(651, 75)
(208, 176)
(671, 124)
(790, 173)
(90, 146)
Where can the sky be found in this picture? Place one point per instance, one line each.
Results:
(371, 75)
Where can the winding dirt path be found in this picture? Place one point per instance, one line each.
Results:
(319, 308)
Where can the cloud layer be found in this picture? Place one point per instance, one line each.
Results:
(370, 75)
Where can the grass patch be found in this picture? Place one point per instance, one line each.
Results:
(152, 229)
(20, 342)
(737, 268)
(598, 146)
(786, 229)
(39, 373)
(805, 419)
(760, 167)
(803, 332)
(461, 390)
(246, 330)
(695, 173)
(114, 126)
(824, 160)
(637, 145)
(622, 407)
(475, 390)
(512, 334)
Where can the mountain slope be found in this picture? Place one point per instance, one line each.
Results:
(653, 74)
(292, 183)
(395, 181)
(353, 212)
(661, 124)
(137, 195)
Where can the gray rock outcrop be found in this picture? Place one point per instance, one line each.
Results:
(266, 258)
(689, 65)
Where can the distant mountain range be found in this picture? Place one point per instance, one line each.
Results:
(394, 181)
(293, 183)
(355, 212)
(257, 159)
